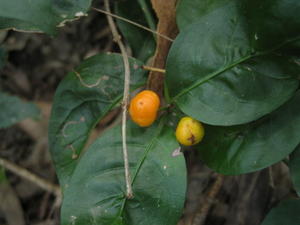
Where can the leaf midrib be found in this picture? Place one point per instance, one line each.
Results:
(148, 148)
(220, 71)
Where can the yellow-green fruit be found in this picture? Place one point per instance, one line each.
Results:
(189, 131)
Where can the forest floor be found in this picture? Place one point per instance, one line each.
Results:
(36, 64)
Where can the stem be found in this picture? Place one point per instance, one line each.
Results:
(117, 39)
(154, 69)
(166, 92)
(55, 189)
(148, 14)
(164, 108)
(201, 215)
(133, 23)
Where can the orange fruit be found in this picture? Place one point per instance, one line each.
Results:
(143, 108)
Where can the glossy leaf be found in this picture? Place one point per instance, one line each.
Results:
(36, 15)
(13, 110)
(141, 42)
(247, 148)
(81, 100)
(97, 188)
(286, 213)
(294, 166)
(268, 22)
(189, 12)
(220, 73)
(271, 22)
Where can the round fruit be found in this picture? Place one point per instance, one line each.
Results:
(189, 131)
(143, 108)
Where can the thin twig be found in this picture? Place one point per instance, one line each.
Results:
(46, 185)
(133, 23)
(200, 216)
(117, 39)
(148, 14)
(246, 197)
(154, 69)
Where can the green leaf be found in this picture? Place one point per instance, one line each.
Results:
(287, 213)
(243, 149)
(188, 12)
(13, 110)
(36, 15)
(83, 98)
(294, 166)
(271, 26)
(266, 26)
(96, 194)
(141, 41)
(220, 73)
